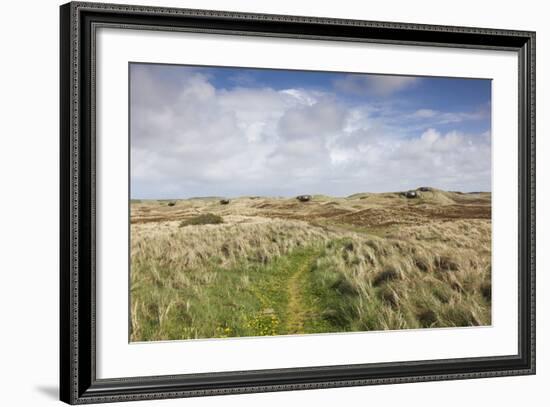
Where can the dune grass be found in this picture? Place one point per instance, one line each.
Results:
(202, 219)
(272, 267)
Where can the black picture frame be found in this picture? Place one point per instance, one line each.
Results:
(78, 382)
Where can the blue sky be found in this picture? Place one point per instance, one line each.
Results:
(201, 131)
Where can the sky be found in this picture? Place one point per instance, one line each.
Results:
(217, 131)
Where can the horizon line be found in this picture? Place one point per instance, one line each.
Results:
(311, 194)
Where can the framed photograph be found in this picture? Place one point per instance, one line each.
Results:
(255, 203)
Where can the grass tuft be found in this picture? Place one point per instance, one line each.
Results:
(203, 219)
(388, 274)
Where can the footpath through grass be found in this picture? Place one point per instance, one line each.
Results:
(303, 313)
(254, 299)
(287, 300)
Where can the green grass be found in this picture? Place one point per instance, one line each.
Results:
(250, 299)
(305, 291)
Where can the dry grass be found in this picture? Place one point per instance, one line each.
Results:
(374, 262)
(202, 219)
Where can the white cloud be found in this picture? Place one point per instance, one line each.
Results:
(191, 139)
(425, 113)
(377, 85)
(437, 117)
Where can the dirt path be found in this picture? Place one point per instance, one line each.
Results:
(298, 309)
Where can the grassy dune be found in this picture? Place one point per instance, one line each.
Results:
(272, 266)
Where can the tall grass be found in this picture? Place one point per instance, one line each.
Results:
(368, 283)
(231, 279)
